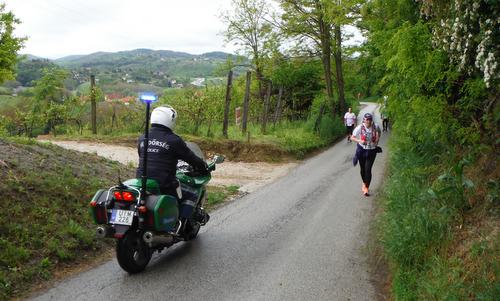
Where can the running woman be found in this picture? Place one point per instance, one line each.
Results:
(367, 135)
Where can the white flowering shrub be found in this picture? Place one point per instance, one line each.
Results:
(468, 30)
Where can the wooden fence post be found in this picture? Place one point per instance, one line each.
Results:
(93, 112)
(228, 101)
(246, 102)
(277, 113)
(267, 100)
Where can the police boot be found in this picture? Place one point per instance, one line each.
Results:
(201, 216)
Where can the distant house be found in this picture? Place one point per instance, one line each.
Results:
(113, 96)
(117, 97)
(128, 99)
(19, 89)
(198, 82)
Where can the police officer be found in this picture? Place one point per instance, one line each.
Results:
(164, 149)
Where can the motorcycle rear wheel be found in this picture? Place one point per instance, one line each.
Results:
(132, 253)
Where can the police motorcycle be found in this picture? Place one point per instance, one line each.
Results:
(142, 220)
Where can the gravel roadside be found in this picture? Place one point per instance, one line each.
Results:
(247, 176)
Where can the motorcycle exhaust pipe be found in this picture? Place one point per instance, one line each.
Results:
(152, 239)
(103, 232)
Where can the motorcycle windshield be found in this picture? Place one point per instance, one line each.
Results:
(195, 149)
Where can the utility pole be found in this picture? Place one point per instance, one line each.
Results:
(228, 101)
(93, 111)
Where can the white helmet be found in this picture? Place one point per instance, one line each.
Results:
(165, 116)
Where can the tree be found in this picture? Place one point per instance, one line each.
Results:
(28, 71)
(341, 13)
(317, 27)
(9, 45)
(468, 32)
(49, 97)
(57, 113)
(301, 82)
(380, 19)
(439, 63)
(306, 21)
(50, 88)
(248, 27)
(197, 106)
(76, 109)
(213, 102)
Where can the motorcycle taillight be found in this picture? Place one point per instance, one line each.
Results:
(124, 196)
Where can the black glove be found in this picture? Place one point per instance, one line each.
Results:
(204, 170)
(207, 171)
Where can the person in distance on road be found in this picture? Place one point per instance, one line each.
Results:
(385, 119)
(164, 149)
(350, 123)
(367, 136)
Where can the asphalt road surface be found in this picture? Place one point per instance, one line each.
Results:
(302, 237)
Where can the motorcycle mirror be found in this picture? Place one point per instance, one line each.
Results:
(120, 183)
(219, 159)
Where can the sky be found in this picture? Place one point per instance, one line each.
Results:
(58, 28)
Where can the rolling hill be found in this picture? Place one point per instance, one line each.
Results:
(145, 65)
(161, 68)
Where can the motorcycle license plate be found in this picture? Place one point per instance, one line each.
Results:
(122, 217)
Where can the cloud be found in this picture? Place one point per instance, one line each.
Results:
(58, 28)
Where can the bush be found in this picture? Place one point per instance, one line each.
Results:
(425, 199)
(11, 254)
(5, 91)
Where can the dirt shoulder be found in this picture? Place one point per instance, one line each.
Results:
(247, 176)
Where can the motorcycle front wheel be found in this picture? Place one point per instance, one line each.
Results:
(132, 253)
(191, 230)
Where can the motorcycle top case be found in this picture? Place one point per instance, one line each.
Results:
(162, 211)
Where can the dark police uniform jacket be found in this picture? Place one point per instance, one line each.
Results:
(164, 150)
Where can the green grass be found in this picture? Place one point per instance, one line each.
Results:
(425, 203)
(9, 103)
(295, 138)
(44, 220)
(217, 195)
(374, 99)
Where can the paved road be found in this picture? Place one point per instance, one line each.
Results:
(299, 238)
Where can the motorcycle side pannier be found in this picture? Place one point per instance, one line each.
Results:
(98, 211)
(162, 212)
